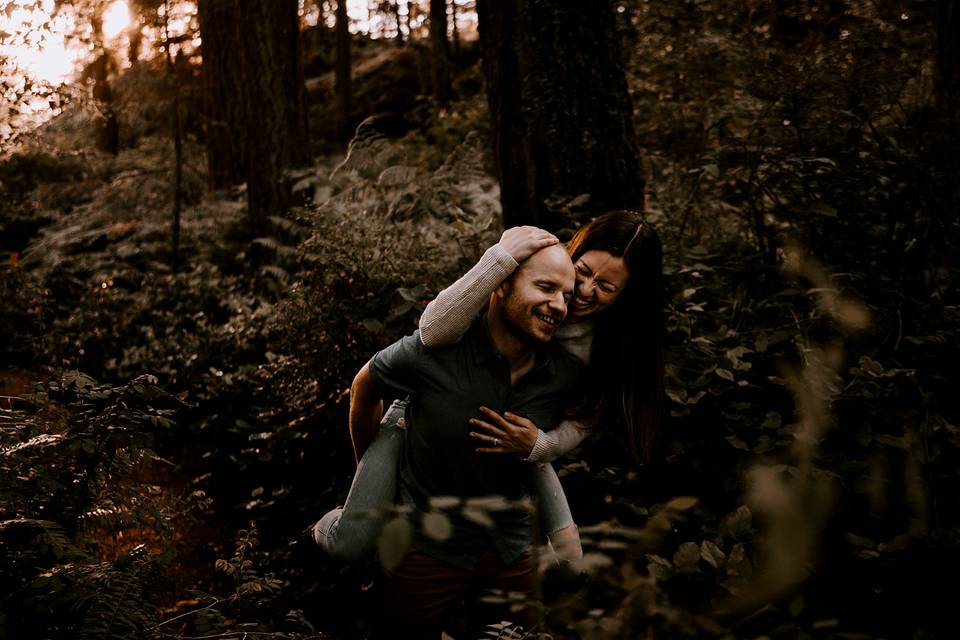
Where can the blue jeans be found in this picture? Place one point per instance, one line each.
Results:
(350, 533)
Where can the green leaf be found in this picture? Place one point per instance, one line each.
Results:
(860, 541)
(772, 421)
(444, 502)
(395, 540)
(479, 517)
(437, 525)
(682, 503)
(594, 561)
(580, 201)
(659, 567)
(737, 443)
(739, 523)
(687, 555)
(723, 373)
(712, 554)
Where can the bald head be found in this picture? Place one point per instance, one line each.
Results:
(533, 301)
(553, 259)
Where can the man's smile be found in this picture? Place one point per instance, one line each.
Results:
(551, 320)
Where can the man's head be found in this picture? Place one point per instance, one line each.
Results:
(533, 301)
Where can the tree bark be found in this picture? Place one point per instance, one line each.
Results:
(395, 8)
(948, 49)
(410, 6)
(561, 112)
(257, 98)
(342, 72)
(440, 52)
(223, 100)
(455, 33)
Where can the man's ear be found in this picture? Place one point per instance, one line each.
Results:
(502, 289)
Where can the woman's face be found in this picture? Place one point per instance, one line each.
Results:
(601, 277)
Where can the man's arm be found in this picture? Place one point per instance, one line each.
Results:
(366, 409)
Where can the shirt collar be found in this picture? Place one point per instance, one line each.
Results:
(484, 349)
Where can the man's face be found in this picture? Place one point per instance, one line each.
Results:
(535, 298)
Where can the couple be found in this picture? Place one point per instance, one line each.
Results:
(492, 397)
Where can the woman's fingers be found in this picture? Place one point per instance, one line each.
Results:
(522, 242)
(494, 440)
(518, 421)
(489, 432)
(509, 422)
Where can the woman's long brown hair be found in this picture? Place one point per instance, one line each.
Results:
(626, 359)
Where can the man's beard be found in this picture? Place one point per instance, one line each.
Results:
(513, 321)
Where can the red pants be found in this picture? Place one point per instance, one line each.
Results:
(420, 594)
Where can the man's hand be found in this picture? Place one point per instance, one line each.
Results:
(523, 242)
(366, 408)
(508, 433)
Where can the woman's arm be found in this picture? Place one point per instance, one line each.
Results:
(552, 444)
(451, 313)
(509, 433)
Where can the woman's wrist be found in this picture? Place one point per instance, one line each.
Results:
(536, 452)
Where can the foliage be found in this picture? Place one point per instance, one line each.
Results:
(74, 453)
(812, 448)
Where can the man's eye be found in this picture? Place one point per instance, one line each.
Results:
(582, 270)
(606, 287)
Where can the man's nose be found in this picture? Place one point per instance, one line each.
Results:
(558, 303)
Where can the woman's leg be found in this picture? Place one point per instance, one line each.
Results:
(555, 517)
(350, 533)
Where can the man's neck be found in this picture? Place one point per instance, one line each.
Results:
(520, 353)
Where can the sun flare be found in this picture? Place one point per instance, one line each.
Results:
(115, 19)
(34, 43)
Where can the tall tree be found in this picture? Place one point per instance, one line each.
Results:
(440, 52)
(223, 77)
(342, 71)
(562, 116)
(395, 10)
(256, 95)
(948, 48)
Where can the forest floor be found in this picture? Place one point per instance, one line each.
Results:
(190, 423)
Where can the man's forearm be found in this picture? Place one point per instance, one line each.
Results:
(366, 409)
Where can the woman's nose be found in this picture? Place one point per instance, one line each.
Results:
(585, 288)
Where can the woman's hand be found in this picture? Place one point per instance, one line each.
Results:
(523, 242)
(508, 433)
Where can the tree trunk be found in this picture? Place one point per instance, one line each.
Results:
(455, 33)
(395, 8)
(257, 91)
(561, 113)
(223, 84)
(410, 20)
(177, 134)
(108, 129)
(948, 48)
(440, 52)
(342, 72)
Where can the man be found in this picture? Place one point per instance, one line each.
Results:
(504, 362)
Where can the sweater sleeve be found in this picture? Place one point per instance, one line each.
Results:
(550, 445)
(451, 313)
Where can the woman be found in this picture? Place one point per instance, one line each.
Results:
(614, 325)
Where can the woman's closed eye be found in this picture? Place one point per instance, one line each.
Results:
(587, 273)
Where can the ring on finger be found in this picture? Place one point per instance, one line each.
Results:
(496, 442)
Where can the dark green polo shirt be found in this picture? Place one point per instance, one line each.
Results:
(447, 386)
